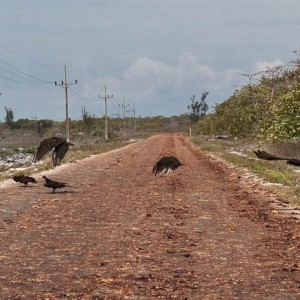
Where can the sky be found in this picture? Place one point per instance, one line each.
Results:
(152, 55)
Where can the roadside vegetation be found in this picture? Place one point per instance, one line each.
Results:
(267, 109)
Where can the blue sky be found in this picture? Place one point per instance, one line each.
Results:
(152, 54)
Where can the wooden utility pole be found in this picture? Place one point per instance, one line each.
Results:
(106, 121)
(66, 85)
(118, 119)
(124, 113)
(36, 123)
(134, 122)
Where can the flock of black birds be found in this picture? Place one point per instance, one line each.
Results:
(60, 147)
(165, 165)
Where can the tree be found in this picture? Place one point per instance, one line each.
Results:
(198, 108)
(87, 119)
(9, 118)
(283, 120)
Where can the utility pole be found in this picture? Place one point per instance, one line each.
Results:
(66, 85)
(132, 117)
(129, 119)
(118, 119)
(124, 113)
(251, 76)
(251, 94)
(117, 116)
(134, 123)
(36, 123)
(105, 102)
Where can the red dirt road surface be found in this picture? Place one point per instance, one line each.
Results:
(119, 232)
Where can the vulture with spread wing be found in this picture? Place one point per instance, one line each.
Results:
(59, 145)
(261, 154)
(166, 165)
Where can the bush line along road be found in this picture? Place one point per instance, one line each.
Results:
(119, 232)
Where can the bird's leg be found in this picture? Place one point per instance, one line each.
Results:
(170, 170)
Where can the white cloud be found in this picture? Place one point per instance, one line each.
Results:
(150, 75)
(152, 82)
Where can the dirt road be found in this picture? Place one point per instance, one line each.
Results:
(119, 232)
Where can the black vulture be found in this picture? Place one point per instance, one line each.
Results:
(53, 184)
(166, 165)
(24, 179)
(261, 154)
(60, 146)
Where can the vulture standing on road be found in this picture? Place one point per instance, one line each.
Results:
(60, 146)
(268, 156)
(24, 179)
(166, 165)
(53, 184)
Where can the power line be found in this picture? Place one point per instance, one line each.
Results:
(27, 76)
(81, 97)
(20, 76)
(18, 81)
(105, 101)
(85, 90)
(29, 59)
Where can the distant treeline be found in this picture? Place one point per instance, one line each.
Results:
(95, 126)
